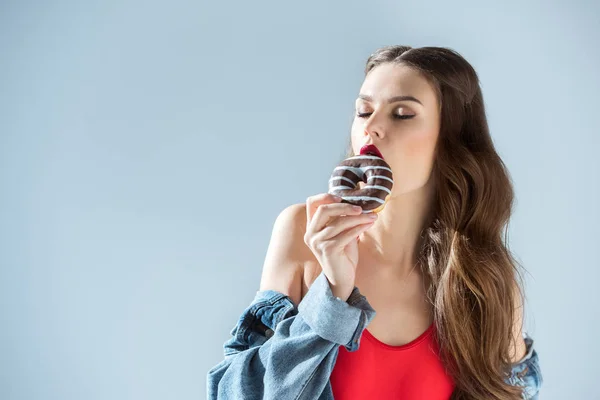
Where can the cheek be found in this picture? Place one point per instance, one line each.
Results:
(414, 161)
(418, 145)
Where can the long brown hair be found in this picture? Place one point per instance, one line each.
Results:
(476, 283)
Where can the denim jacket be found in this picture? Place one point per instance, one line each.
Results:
(280, 351)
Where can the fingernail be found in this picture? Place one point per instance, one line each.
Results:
(357, 208)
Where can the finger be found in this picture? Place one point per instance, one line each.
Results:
(325, 212)
(346, 237)
(313, 202)
(339, 225)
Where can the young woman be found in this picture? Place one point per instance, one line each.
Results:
(420, 301)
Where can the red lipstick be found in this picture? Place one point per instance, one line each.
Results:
(370, 149)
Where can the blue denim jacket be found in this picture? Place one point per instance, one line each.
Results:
(280, 351)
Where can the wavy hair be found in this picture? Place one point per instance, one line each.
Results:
(476, 283)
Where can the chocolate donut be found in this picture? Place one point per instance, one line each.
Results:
(370, 168)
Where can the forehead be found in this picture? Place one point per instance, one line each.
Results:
(388, 80)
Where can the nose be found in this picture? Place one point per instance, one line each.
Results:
(374, 129)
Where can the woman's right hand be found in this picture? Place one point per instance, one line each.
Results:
(332, 230)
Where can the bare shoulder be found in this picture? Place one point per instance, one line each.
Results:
(287, 254)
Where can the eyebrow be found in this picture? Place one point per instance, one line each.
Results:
(392, 99)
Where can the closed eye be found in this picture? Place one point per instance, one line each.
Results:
(397, 116)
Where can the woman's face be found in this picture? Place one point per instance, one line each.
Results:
(405, 130)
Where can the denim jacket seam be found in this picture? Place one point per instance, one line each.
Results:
(305, 385)
(249, 318)
(268, 302)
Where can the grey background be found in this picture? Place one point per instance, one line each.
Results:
(125, 263)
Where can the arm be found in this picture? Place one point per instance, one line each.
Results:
(278, 350)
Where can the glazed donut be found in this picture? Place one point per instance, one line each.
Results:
(368, 167)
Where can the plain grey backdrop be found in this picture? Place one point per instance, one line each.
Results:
(136, 137)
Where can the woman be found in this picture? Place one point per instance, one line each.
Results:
(430, 275)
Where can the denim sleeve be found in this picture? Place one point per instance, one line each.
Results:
(527, 372)
(278, 351)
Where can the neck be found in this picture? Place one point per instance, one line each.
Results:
(393, 242)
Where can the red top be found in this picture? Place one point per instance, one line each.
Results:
(380, 371)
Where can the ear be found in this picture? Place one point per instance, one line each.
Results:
(517, 349)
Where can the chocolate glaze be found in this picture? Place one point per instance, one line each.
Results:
(370, 169)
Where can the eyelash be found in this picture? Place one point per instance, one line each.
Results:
(363, 115)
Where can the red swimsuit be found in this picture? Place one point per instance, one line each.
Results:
(379, 371)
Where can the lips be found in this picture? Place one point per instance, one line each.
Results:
(371, 149)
